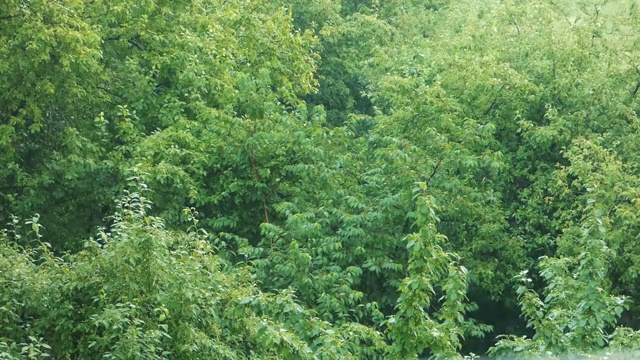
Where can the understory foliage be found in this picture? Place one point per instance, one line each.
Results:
(329, 179)
(142, 291)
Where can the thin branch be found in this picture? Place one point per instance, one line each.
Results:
(635, 91)
(494, 102)
(513, 21)
(138, 46)
(264, 198)
(110, 93)
(257, 177)
(435, 170)
(564, 14)
(10, 17)
(131, 42)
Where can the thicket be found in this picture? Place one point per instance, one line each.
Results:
(330, 179)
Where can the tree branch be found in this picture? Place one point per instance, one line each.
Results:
(513, 21)
(10, 17)
(109, 92)
(135, 44)
(433, 173)
(257, 178)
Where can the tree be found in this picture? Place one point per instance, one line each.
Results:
(140, 290)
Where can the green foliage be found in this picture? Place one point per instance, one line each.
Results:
(293, 133)
(578, 312)
(141, 291)
(105, 80)
(413, 330)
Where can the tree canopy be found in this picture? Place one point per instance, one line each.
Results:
(334, 179)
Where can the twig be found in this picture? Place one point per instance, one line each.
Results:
(257, 177)
(635, 91)
(435, 170)
(494, 102)
(134, 43)
(9, 17)
(109, 92)
(513, 21)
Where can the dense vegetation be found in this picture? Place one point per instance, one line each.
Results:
(334, 179)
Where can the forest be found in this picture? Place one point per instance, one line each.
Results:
(329, 179)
